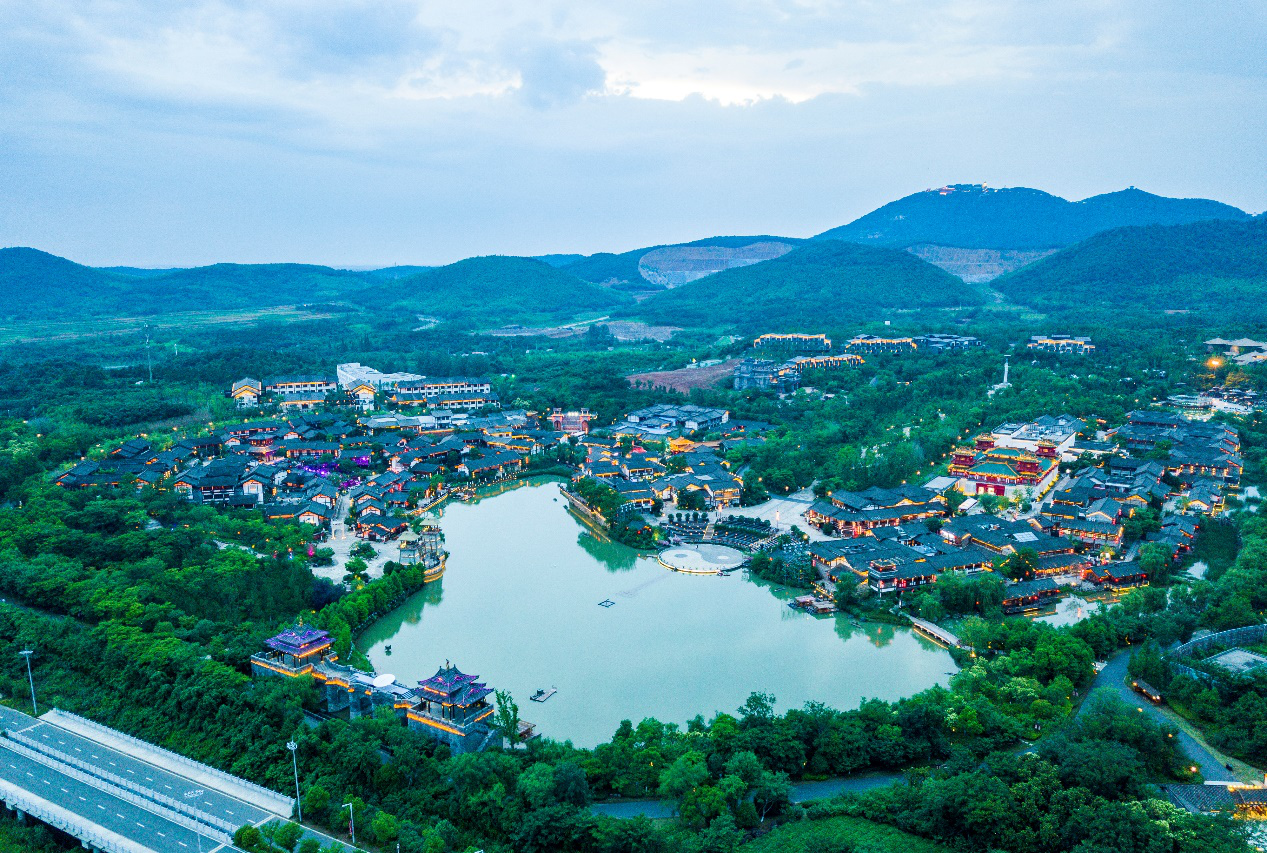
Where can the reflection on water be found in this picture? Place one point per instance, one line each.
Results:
(616, 557)
(519, 606)
(1068, 611)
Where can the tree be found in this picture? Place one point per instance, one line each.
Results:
(357, 571)
(1154, 560)
(507, 716)
(248, 837)
(682, 776)
(692, 499)
(385, 827)
(288, 835)
(316, 798)
(570, 784)
(1021, 564)
(771, 794)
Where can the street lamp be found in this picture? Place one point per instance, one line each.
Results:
(26, 653)
(294, 755)
(351, 821)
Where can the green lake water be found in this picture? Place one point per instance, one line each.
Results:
(519, 606)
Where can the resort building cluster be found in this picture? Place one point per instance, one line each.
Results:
(365, 387)
(903, 538)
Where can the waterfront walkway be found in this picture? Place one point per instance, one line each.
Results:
(936, 633)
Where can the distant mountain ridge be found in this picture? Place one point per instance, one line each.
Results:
(818, 281)
(971, 216)
(36, 285)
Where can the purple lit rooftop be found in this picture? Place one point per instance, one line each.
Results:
(298, 640)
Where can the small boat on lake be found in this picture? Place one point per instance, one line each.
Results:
(542, 694)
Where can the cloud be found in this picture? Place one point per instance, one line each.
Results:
(553, 73)
(173, 131)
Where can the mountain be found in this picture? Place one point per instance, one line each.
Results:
(139, 272)
(816, 283)
(494, 290)
(673, 264)
(37, 285)
(559, 260)
(1217, 267)
(970, 216)
(32, 282)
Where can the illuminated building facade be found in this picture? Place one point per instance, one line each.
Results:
(453, 707)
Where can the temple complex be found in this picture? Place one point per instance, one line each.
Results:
(989, 469)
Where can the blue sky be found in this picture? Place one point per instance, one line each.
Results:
(178, 132)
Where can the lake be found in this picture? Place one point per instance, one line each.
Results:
(519, 606)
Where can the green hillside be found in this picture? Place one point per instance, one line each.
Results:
(821, 281)
(489, 291)
(36, 285)
(971, 217)
(494, 290)
(34, 282)
(1218, 268)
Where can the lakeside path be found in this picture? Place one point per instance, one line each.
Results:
(1209, 761)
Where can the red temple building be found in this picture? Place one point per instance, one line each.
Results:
(1004, 471)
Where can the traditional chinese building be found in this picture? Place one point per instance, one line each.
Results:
(1004, 471)
(1068, 344)
(450, 706)
(856, 513)
(572, 423)
(294, 652)
(453, 707)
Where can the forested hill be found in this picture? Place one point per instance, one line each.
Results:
(818, 281)
(1219, 267)
(971, 217)
(35, 285)
(490, 291)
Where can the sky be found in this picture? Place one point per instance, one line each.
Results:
(182, 132)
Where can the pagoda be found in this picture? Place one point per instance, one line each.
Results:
(294, 652)
(453, 707)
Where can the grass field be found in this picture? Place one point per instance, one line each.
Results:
(17, 333)
(833, 834)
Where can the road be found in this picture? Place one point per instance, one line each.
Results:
(142, 773)
(101, 808)
(1114, 676)
(801, 792)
